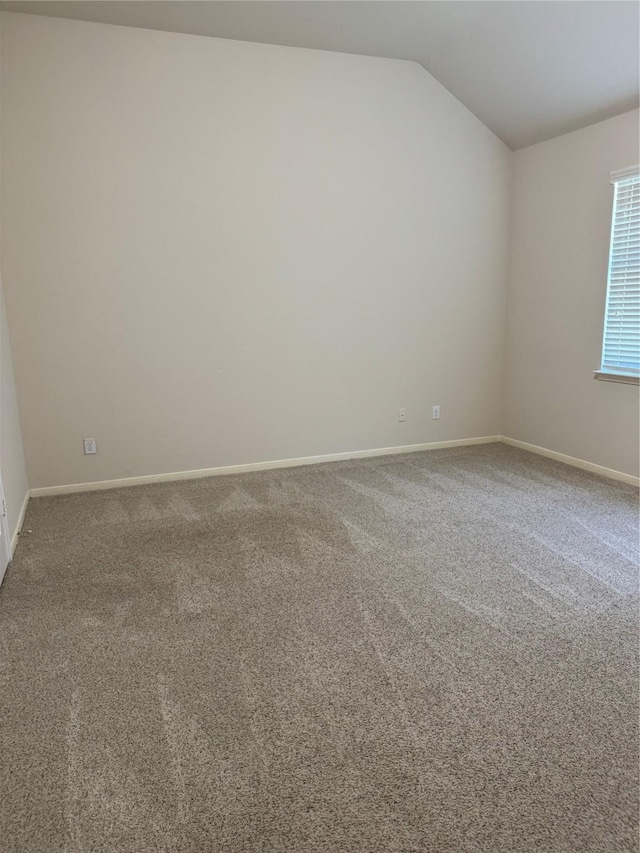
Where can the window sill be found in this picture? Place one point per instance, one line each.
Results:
(624, 378)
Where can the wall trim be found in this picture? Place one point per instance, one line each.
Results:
(611, 473)
(98, 485)
(19, 523)
(72, 488)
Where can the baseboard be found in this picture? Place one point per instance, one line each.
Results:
(19, 523)
(48, 491)
(572, 460)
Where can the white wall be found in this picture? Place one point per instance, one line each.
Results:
(12, 465)
(558, 276)
(220, 252)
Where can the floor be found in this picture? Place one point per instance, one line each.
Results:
(432, 652)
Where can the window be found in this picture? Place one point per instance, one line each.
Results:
(621, 341)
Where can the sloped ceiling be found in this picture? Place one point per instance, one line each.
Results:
(529, 69)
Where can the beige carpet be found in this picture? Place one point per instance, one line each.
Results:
(433, 652)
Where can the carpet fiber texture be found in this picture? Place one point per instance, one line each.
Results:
(432, 652)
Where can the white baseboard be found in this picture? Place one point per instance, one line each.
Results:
(47, 491)
(71, 488)
(19, 523)
(572, 460)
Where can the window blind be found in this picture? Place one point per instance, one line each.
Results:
(621, 344)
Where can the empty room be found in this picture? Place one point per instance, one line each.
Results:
(319, 426)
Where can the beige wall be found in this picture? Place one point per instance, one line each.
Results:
(558, 276)
(219, 252)
(12, 465)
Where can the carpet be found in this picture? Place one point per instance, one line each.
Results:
(430, 652)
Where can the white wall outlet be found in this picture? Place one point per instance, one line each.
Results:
(402, 415)
(436, 412)
(90, 446)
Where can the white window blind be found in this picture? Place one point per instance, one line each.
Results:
(621, 344)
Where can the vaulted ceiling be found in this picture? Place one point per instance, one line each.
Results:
(529, 69)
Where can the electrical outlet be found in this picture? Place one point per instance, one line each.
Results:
(90, 446)
(436, 413)
(402, 415)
